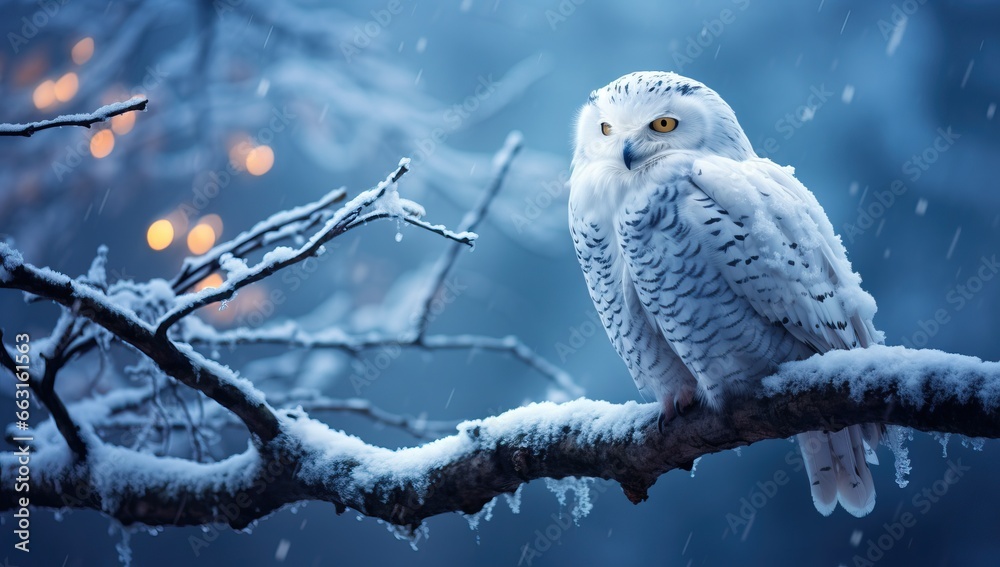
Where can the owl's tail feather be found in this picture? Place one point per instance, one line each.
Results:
(836, 463)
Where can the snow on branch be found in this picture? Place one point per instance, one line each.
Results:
(102, 114)
(923, 389)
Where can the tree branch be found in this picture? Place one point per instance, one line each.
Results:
(925, 390)
(100, 115)
(180, 361)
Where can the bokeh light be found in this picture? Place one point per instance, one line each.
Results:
(45, 94)
(83, 50)
(66, 87)
(211, 282)
(102, 143)
(123, 123)
(214, 221)
(259, 160)
(160, 234)
(201, 239)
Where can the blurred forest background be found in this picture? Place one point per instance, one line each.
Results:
(257, 106)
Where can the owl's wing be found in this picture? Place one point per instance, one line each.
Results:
(773, 243)
(779, 250)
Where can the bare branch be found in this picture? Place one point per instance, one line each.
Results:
(446, 262)
(180, 361)
(291, 335)
(100, 115)
(926, 390)
(280, 258)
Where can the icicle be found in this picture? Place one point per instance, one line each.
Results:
(581, 491)
(514, 500)
(694, 466)
(895, 439)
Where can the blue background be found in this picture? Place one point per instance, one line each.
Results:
(784, 67)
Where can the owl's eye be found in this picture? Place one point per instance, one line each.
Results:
(605, 128)
(664, 124)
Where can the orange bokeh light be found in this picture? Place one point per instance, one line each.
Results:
(123, 123)
(213, 281)
(160, 234)
(102, 143)
(66, 87)
(45, 94)
(201, 239)
(260, 160)
(83, 50)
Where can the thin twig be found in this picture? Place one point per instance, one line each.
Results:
(100, 115)
(446, 262)
(274, 262)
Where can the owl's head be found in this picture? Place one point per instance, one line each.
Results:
(641, 117)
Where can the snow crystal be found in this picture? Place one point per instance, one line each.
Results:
(514, 500)
(976, 443)
(694, 465)
(921, 207)
(581, 495)
(991, 110)
(486, 514)
(943, 439)
(896, 438)
(9, 260)
(856, 536)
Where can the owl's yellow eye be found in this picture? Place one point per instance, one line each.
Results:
(605, 128)
(664, 124)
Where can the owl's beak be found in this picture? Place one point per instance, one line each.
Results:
(628, 154)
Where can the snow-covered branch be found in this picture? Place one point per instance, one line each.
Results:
(106, 112)
(926, 390)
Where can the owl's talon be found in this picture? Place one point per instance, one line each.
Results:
(679, 410)
(661, 422)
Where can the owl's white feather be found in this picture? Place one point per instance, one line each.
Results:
(710, 266)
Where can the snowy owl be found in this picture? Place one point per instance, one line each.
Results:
(710, 266)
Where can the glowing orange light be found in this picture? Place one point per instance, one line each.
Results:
(123, 123)
(160, 234)
(211, 282)
(260, 160)
(83, 50)
(66, 87)
(102, 143)
(45, 94)
(201, 239)
(214, 221)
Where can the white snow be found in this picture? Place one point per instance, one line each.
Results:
(863, 371)
(9, 260)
